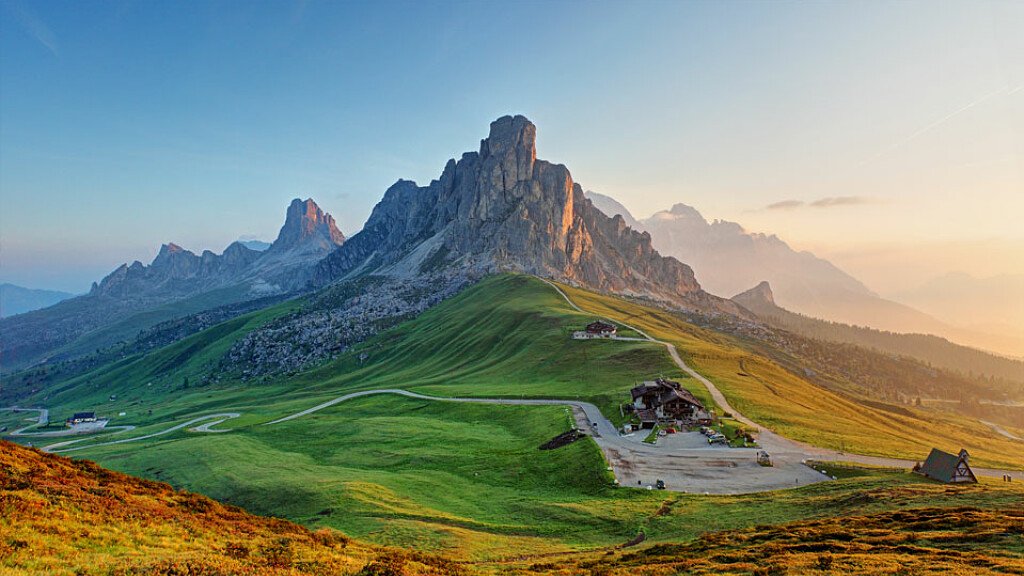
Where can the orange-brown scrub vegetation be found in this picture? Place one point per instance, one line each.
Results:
(62, 516)
(957, 541)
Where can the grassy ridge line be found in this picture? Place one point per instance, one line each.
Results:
(793, 407)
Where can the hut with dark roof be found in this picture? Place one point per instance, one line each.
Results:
(946, 467)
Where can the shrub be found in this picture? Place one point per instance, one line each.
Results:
(387, 564)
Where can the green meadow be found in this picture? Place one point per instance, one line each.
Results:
(469, 479)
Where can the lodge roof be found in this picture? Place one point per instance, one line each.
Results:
(599, 326)
(942, 466)
(83, 415)
(667, 391)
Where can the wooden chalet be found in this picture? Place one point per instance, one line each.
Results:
(946, 467)
(602, 329)
(663, 399)
(598, 329)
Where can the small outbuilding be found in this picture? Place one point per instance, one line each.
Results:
(946, 467)
(81, 417)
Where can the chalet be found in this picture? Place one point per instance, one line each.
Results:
(81, 417)
(596, 329)
(946, 467)
(662, 399)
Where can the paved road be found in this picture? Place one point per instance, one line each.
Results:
(778, 446)
(62, 447)
(44, 418)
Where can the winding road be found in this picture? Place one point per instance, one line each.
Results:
(685, 465)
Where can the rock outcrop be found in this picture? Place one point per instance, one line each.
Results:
(502, 209)
(308, 234)
(757, 298)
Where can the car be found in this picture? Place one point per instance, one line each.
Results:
(660, 484)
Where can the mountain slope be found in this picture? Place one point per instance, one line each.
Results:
(502, 209)
(16, 299)
(611, 207)
(65, 517)
(934, 350)
(177, 282)
(727, 259)
(70, 517)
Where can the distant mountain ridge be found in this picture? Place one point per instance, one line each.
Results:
(16, 299)
(307, 235)
(993, 304)
(176, 275)
(931, 349)
(502, 209)
(727, 260)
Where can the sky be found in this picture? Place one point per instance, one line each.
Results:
(886, 136)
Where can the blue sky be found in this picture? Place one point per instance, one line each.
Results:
(125, 125)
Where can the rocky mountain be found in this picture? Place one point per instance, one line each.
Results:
(112, 310)
(611, 207)
(16, 299)
(502, 209)
(307, 235)
(933, 350)
(758, 298)
(727, 259)
(257, 245)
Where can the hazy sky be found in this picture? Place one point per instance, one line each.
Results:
(886, 136)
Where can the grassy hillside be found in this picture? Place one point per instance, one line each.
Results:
(933, 350)
(509, 337)
(64, 517)
(960, 541)
(468, 480)
(791, 405)
(60, 516)
(139, 321)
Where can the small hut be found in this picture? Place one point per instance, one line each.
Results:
(946, 467)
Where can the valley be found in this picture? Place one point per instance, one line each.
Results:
(390, 461)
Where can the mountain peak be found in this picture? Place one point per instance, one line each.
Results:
(757, 297)
(681, 210)
(511, 133)
(169, 252)
(512, 146)
(171, 248)
(502, 210)
(305, 221)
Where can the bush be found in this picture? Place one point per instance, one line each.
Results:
(387, 564)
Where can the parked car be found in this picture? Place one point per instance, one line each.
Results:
(660, 484)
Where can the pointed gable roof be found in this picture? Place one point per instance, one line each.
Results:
(942, 466)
